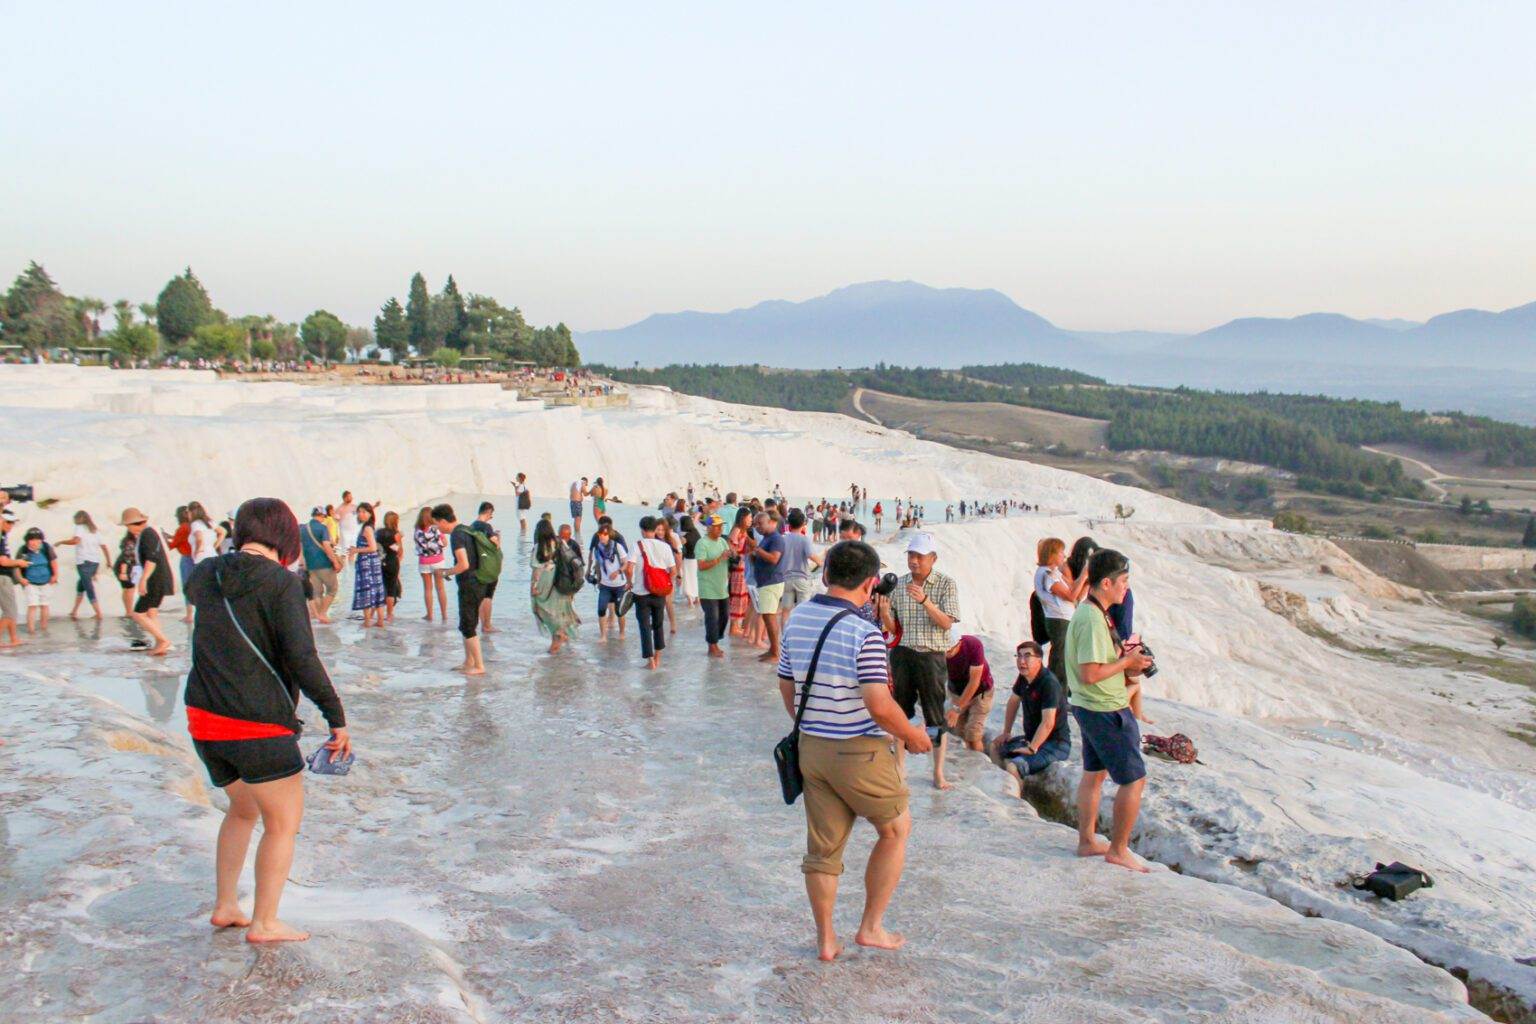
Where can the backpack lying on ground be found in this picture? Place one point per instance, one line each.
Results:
(1394, 881)
(1177, 747)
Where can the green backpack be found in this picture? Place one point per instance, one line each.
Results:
(489, 570)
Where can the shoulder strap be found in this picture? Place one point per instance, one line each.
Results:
(810, 673)
(218, 576)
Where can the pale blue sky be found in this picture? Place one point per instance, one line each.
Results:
(1132, 165)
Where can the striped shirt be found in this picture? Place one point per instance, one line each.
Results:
(853, 656)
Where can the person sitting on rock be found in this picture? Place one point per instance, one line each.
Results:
(1045, 737)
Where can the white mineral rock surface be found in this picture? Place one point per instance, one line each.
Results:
(574, 838)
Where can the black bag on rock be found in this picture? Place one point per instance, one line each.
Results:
(1394, 881)
(786, 754)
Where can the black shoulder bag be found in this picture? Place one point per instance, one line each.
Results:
(786, 755)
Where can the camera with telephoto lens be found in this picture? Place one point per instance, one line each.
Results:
(887, 585)
(20, 492)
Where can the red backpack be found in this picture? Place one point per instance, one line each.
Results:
(657, 580)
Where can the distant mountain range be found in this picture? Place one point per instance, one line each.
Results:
(898, 322)
(911, 324)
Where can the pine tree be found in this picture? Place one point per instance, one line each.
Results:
(183, 307)
(36, 315)
(390, 329)
(418, 314)
(453, 336)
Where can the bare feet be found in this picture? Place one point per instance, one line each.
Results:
(1126, 859)
(489, 629)
(322, 620)
(943, 784)
(276, 932)
(1097, 848)
(472, 671)
(161, 651)
(229, 917)
(879, 938)
(556, 643)
(715, 651)
(828, 950)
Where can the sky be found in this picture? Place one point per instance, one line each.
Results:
(1118, 166)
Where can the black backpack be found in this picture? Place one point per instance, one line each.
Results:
(570, 569)
(1037, 630)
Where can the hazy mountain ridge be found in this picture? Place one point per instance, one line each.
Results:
(859, 325)
(909, 323)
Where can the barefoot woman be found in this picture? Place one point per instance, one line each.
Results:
(252, 655)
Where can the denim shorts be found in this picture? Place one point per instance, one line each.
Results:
(1112, 743)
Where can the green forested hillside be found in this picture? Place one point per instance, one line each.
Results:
(1315, 437)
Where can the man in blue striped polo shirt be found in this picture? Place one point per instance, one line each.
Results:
(851, 763)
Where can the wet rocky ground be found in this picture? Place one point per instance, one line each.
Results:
(574, 838)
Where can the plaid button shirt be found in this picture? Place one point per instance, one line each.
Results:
(918, 632)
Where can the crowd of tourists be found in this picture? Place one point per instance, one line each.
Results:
(885, 649)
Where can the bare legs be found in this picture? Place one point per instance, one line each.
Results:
(939, 746)
(886, 862)
(150, 622)
(442, 596)
(280, 806)
(426, 595)
(1127, 806)
(881, 876)
(474, 664)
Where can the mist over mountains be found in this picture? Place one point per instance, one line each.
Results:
(912, 324)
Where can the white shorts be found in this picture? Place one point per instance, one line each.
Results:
(752, 595)
(37, 597)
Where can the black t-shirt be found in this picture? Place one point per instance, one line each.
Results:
(150, 549)
(1034, 697)
(389, 558)
(461, 540)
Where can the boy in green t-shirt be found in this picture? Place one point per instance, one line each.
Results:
(1096, 681)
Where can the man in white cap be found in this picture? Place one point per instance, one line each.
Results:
(921, 611)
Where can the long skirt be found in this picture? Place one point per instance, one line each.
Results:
(553, 611)
(691, 578)
(739, 599)
(368, 591)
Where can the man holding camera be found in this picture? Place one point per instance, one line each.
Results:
(852, 736)
(1097, 670)
(1045, 737)
(920, 613)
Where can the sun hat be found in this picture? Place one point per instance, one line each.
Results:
(713, 520)
(318, 510)
(132, 516)
(922, 544)
(9, 516)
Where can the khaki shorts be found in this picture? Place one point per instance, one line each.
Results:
(768, 598)
(973, 720)
(863, 777)
(324, 582)
(797, 591)
(7, 598)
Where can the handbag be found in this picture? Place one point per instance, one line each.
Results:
(786, 754)
(658, 581)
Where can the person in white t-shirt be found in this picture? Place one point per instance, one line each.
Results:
(1056, 599)
(90, 552)
(650, 608)
(203, 538)
(346, 520)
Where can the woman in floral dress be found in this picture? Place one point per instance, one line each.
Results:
(738, 574)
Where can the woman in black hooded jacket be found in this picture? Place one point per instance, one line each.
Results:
(253, 654)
